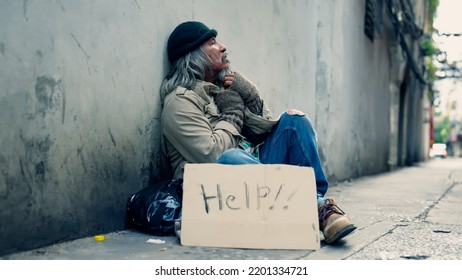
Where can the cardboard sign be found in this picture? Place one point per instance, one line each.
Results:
(250, 206)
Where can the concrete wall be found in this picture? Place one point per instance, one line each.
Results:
(79, 101)
(352, 92)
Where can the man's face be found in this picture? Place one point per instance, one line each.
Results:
(217, 54)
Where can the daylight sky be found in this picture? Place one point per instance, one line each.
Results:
(449, 20)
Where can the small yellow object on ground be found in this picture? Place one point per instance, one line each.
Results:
(99, 238)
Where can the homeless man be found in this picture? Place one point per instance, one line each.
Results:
(212, 114)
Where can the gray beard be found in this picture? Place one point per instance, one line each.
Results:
(223, 73)
(221, 76)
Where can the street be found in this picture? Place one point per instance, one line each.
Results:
(412, 213)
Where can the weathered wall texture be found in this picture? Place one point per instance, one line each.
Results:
(78, 116)
(79, 102)
(352, 92)
(79, 99)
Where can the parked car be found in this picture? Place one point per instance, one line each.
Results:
(438, 150)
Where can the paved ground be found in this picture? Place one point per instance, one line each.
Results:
(411, 213)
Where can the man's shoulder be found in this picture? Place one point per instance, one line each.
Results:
(202, 92)
(181, 98)
(198, 87)
(180, 90)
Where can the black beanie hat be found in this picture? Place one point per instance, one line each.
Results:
(187, 37)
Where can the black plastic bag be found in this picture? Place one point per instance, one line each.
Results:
(155, 208)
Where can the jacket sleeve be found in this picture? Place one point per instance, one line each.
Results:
(256, 125)
(187, 127)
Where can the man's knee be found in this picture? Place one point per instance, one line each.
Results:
(295, 120)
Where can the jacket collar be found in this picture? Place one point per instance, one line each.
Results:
(206, 87)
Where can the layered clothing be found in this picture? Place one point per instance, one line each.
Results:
(193, 130)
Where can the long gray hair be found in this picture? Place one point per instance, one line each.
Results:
(187, 70)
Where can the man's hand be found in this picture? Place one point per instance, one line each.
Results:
(231, 107)
(247, 90)
(228, 80)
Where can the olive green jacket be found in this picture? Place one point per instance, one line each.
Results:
(193, 131)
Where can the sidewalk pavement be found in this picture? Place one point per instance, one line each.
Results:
(410, 213)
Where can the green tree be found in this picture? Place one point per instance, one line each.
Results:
(442, 130)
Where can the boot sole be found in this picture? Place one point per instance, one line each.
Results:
(340, 234)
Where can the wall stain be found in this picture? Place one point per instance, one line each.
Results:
(35, 166)
(84, 164)
(87, 56)
(2, 48)
(276, 9)
(24, 176)
(47, 90)
(52, 44)
(136, 2)
(4, 190)
(63, 106)
(112, 168)
(24, 9)
(61, 6)
(112, 136)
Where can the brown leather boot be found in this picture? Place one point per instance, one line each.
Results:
(333, 222)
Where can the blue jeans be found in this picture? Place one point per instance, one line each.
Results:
(292, 141)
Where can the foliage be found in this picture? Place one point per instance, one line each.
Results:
(442, 130)
(431, 68)
(432, 6)
(428, 47)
